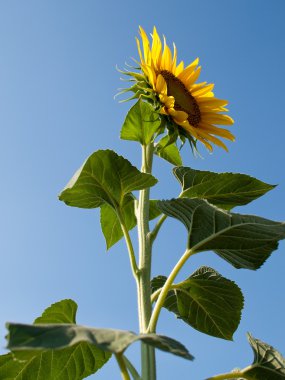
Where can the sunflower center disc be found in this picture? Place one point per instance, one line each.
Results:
(184, 101)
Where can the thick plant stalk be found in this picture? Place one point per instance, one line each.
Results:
(144, 289)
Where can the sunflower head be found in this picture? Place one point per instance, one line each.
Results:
(189, 109)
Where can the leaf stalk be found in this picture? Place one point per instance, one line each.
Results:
(122, 366)
(165, 289)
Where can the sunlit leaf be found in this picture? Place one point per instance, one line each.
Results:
(268, 363)
(245, 241)
(206, 301)
(70, 363)
(225, 190)
(31, 338)
(105, 177)
(60, 312)
(141, 123)
(169, 152)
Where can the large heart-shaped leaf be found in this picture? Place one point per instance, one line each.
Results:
(59, 336)
(245, 241)
(105, 177)
(268, 363)
(225, 190)
(70, 363)
(206, 301)
(141, 123)
(110, 223)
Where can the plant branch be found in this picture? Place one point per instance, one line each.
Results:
(155, 231)
(230, 375)
(130, 247)
(131, 369)
(165, 289)
(123, 368)
(155, 295)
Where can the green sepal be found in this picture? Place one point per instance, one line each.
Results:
(245, 241)
(141, 123)
(225, 190)
(38, 338)
(69, 363)
(105, 177)
(206, 301)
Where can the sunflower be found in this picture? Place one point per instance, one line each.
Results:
(186, 104)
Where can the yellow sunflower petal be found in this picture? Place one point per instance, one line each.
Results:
(202, 91)
(214, 118)
(192, 78)
(163, 111)
(169, 102)
(206, 143)
(161, 86)
(151, 75)
(139, 50)
(179, 69)
(217, 131)
(191, 130)
(213, 139)
(188, 70)
(156, 49)
(174, 61)
(146, 47)
(166, 59)
(178, 116)
(212, 102)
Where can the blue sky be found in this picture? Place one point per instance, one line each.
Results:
(57, 82)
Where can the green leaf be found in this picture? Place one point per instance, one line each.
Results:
(110, 223)
(170, 302)
(169, 152)
(268, 363)
(70, 363)
(73, 363)
(245, 241)
(206, 301)
(58, 336)
(141, 123)
(225, 190)
(60, 312)
(105, 177)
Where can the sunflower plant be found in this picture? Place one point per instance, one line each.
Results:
(171, 110)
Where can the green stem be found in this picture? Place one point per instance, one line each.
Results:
(123, 368)
(230, 375)
(131, 369)
(130, 247)
(165, 289)
(155, 294)
(156, 229)
(145, 306)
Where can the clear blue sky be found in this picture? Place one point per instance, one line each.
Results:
(57, 82)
